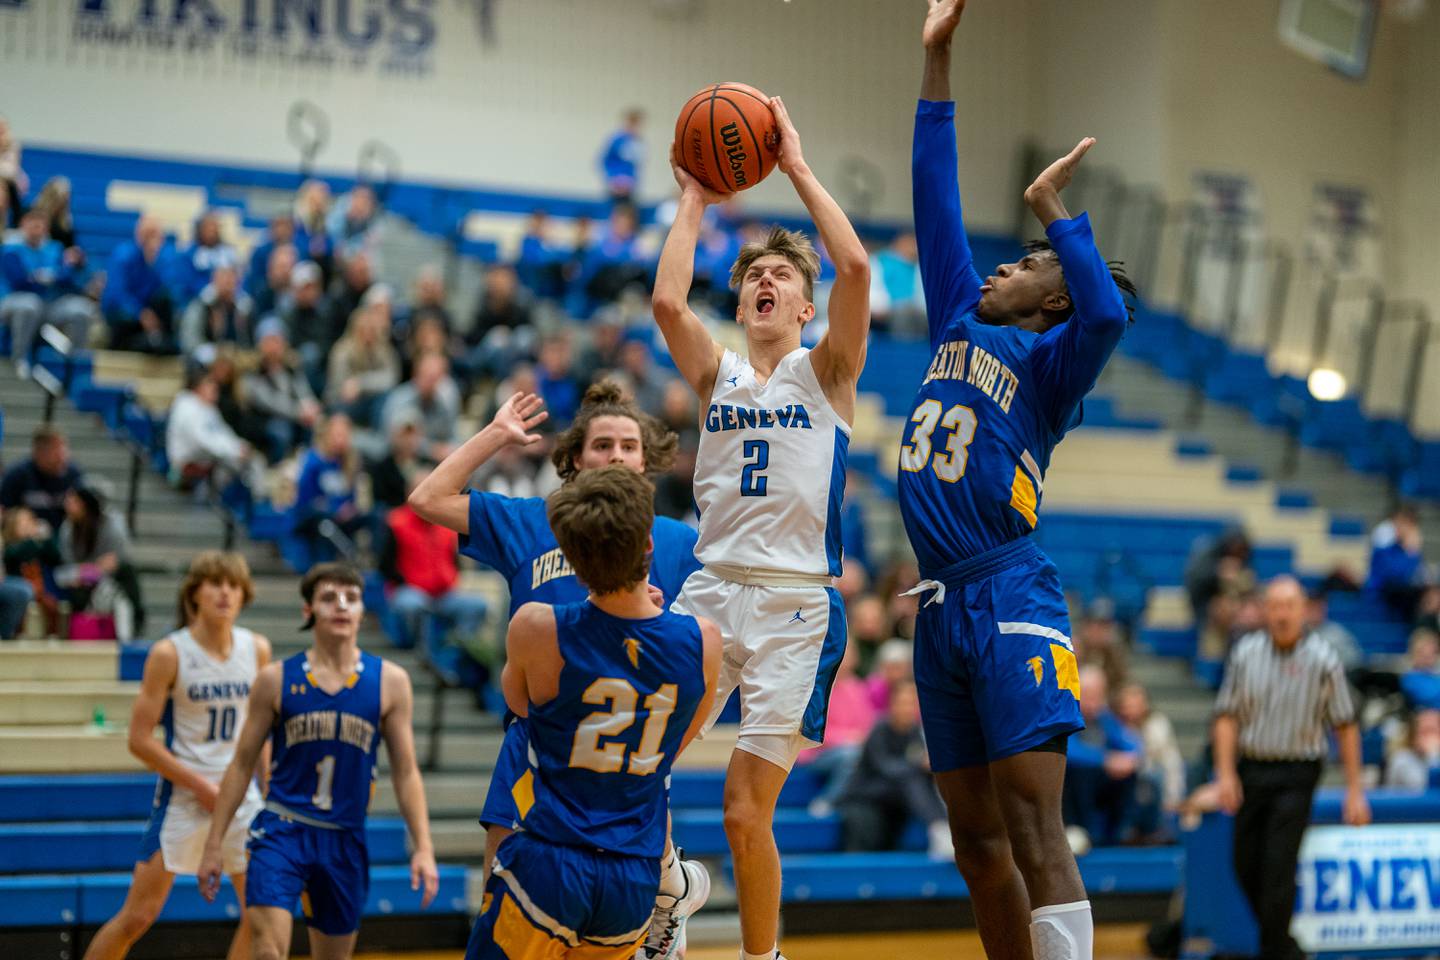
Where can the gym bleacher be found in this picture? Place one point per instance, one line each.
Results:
(1126, 500)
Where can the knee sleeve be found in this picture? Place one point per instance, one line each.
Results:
(1063, 931)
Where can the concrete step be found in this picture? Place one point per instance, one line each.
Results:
(27, 660)
(65, 749)
(64, 702)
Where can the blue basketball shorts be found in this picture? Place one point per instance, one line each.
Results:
(511, 765)
(327, 871)
(994, 664)
(545, 900)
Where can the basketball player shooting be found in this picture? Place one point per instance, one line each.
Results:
(769, 478)
(1014, 356)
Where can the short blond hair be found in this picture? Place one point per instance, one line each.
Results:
(213, 566)
(790, 244)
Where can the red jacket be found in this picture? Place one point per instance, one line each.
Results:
(425, 553)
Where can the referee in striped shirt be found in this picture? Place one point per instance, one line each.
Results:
(1284, 686)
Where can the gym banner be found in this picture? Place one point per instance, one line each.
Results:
(1375, 887)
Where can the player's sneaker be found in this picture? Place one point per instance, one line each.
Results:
(666, 939)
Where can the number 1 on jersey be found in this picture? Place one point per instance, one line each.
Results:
(752, 481)
(325, 774)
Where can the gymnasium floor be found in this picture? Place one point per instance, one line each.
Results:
(1112, 942)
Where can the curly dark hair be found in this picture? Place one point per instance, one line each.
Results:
(1128, 290)
(607, 399)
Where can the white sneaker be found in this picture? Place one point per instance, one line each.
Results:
(666, 939)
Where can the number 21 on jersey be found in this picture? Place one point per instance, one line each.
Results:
(948, 463)
(587, 753)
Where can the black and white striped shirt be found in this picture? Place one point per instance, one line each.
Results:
(1284, 701)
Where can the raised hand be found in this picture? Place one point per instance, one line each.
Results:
(1058, 175)
(941, 21)
(519, 415)
(688, 184)
(791, 156)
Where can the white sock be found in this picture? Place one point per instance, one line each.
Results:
(672, 875)
(770, 954)
(1063, 931)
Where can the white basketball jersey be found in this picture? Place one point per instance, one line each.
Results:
(770, 471)
(208, 702)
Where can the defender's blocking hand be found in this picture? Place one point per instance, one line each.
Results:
(1058, 175)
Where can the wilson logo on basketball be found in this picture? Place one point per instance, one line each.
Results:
(730, 137)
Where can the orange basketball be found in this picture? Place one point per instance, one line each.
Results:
(727, 137)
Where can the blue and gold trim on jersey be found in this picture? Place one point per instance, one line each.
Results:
(1062, 655)
(524, 931)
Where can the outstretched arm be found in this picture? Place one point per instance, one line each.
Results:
(1068, 359)
(263, 707)
(440, 497)
(840, 354)
(947, 270)
(695, 352)
(405, 775)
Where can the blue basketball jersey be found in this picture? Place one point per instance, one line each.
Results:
(324, 747)
(512, 535)
(600, 752)
(996, 400)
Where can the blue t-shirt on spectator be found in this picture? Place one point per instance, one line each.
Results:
(193, 268)
(39, 270)
(621, 159)
(131, 282)
(561, 395)
(1391, 565)
(1105, 734)
(1421, 689)
(323, 487)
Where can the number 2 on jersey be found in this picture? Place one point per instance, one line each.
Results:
(752, 481)
(949, 465)
(586, 751)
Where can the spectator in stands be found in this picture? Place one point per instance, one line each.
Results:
(1098, 641)
(431, 399)
(503, 329)
(427, 301)
(897, 301)
(309, 321)
(198, 440)
(136, 304)
(392, 476)
(348, 291)
(41, 482)
(1397, 561)
(427, 335)
(620, 160)
(15, 593)
(45, 284)
(280, 233)
(420, 563)
(1162, 769)
(312, 235)
(363, 367)
(556, 375)
(850, 719)
(541, 264)
(325, 489)
(675, 488)
(892, 784)
(13, 182)
(1317, 618)
(221, 313)
(894, 663)
(1217, 575)
(647, 380)
(95, 570)
(869, 629)
(612, 264)
(32, 555)
(232, 399)
(198, 263)
(1102, 767)
(354, 224)
(1416, 763)
(53, 204)
(271, 294)
(1421, 681)
(279, 392)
